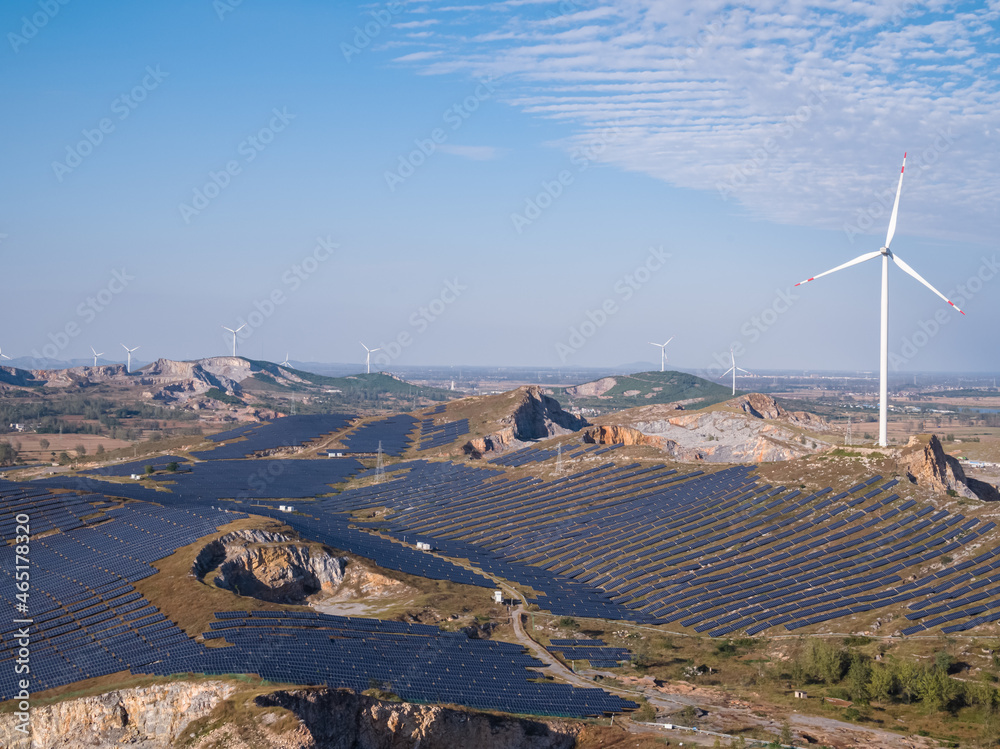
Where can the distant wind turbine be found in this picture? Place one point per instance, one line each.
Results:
(368, 357)
(128, 366)
(285, 362)
(96, 355)
(234, 332)
(886, 254)
(663, 352)
(734, 369)
(4, 356)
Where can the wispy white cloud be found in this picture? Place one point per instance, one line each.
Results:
(798, 110)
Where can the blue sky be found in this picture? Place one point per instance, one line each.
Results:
(522, 182)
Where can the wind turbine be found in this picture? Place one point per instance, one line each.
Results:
(4, 356)
(96, 355)
(886, 254)
(368, 357)
(285, 362)
(733, 369)
(663, 351)
(234, 332)
(128, 366)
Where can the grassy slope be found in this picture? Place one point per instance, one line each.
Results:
(653, 387)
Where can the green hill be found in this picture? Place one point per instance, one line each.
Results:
(643, 389)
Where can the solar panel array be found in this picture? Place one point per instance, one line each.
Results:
(595, 651)
(719, 553)
(438, 435)
(90, 621)
(418, 662)
(159, 463)
(392, 432)
(289, 431)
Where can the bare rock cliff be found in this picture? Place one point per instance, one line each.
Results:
(142, 718)
(533, 416)
(928, 465)
(343, 720)
(270, 566)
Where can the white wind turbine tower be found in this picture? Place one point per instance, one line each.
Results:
(663, 351)
(4, 356)
(95, 355)
(285, 362)
(734, 369)
(368, 356)
(234, 332)
(886, 255)
(128, 366)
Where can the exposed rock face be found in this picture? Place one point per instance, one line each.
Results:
(270, 566)
(592, 389)
(342, 720)
(749, 429)
(619, 435)
(534, 416)
(143, 718)
(928, 465)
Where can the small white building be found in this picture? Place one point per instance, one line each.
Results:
(423, 546)
(497, 596)
(335, 453)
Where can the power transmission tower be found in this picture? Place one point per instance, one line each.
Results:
(559, 463)
(848, 439)
(379, 466)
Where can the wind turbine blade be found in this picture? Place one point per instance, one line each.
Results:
(907, 269)
(725, 373)
(740, 369)
(895, 206)
(669, 340)
(848, 264)
(240, 328)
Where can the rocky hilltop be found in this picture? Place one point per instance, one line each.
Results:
(928, 465)
(751, 428)
(528, 415)
(270, 566)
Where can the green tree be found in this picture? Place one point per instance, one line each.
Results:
(908, 677)
(8, 454)
(43, 443)
(938, 691)
(171, 466)
(882, 684)
(858, 678)
(80, 451)
(786, 733)
(149, 470)
(100, 449)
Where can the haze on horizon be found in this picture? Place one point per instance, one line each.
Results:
(513, 183)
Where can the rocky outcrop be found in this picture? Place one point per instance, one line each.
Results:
(752, 428)
(532, 416)
(592, 389)
(142, 718)
(270, 566)
(619, 435)
(343, 720)
(928, 465)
